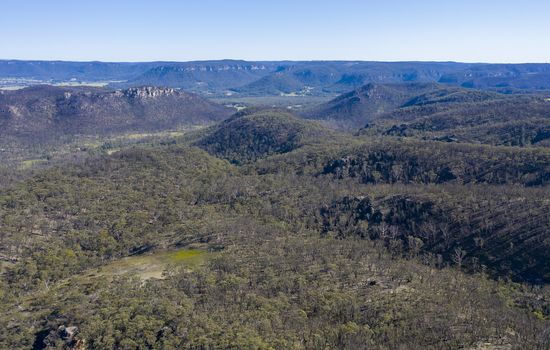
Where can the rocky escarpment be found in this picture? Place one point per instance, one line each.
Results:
(147, 92)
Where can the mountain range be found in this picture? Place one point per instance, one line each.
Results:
(243, 78)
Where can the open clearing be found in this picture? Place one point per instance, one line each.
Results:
(151, 265)
(30, 163)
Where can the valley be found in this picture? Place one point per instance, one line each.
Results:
(386, 215)
(275, 175)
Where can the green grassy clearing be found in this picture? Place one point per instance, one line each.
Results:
(152, 265)
(30, 163)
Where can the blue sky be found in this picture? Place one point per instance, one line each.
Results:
(390, 30)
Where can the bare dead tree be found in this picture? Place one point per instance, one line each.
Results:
(383, 231)
(446, 234)
(458, 256)
(394, 232)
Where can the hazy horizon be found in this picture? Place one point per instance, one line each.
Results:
(168, 30)
(266, 60)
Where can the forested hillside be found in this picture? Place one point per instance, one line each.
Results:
(269, 231)
(441, 113)
(367, 103)
(248, 136)
(506, 120)
(46, 112)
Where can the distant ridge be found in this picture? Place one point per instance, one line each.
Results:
(362, 105)
(207, 76)
(252, 78)
(45, 112)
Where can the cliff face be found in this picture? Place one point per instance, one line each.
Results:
(146, 92)
(204, 77)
